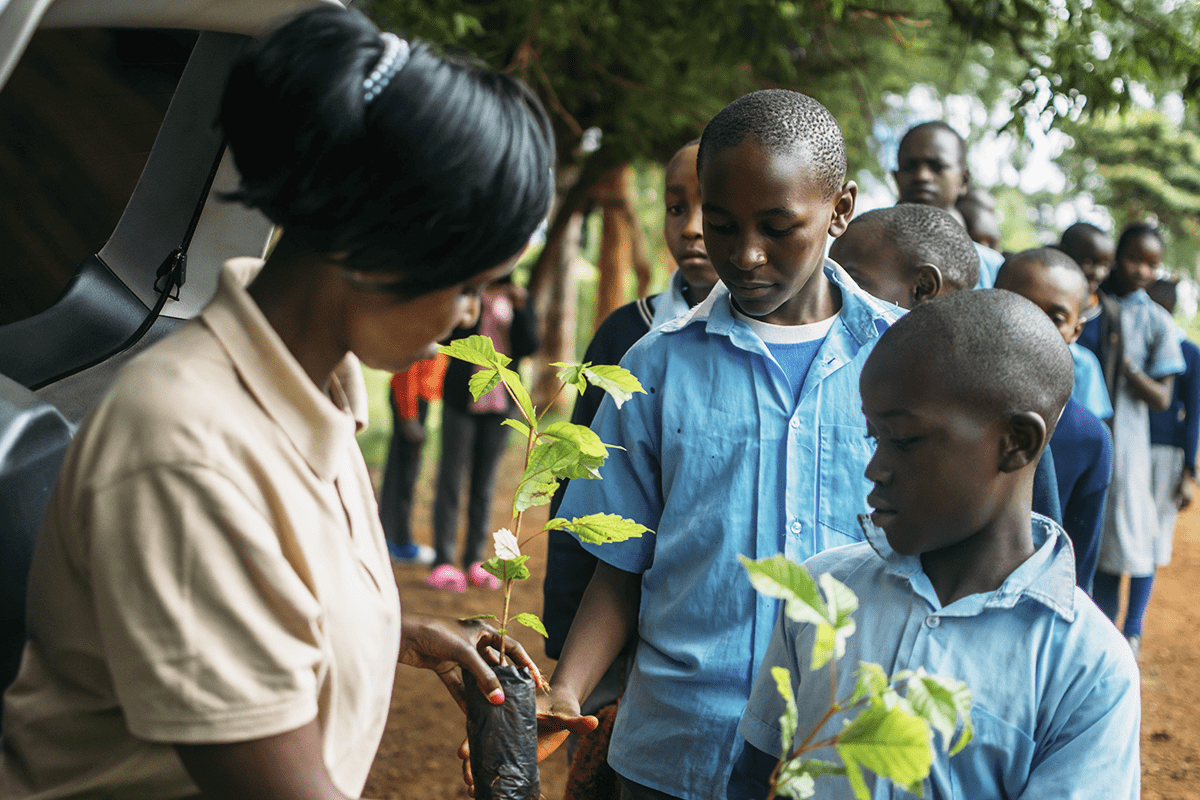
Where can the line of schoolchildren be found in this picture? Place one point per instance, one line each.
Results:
(752, 440)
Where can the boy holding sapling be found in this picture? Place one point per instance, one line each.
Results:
(749, 441)
(959, 578)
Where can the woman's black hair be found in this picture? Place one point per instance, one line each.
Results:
(442, 176)
(1134, 232)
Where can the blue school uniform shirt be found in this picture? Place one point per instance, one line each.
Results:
(1054, 686)
(1082, 448)
(990, 262)
(720, 459)
(1179, 425)
(1090, 390)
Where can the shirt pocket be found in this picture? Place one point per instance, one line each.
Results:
(842, 484)
(995, 763)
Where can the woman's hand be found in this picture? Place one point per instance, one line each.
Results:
(442, 645)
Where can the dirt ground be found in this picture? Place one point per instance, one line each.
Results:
(417, 762)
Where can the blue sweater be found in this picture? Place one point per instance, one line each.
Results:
(1082, 448)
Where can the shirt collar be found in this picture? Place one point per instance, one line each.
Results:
(1047, 577)
(316, 423)
(863, 315)
(670, 304)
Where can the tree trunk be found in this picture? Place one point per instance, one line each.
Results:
(552, 291)
(611, 194)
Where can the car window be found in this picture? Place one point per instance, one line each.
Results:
(78, 118)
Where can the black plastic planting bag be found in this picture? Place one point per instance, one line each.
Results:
(503, 738)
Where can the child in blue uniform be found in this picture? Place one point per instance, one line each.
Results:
(1082, 445)
(1173, 437)
(931, 169)
(958, 577)
(1150, 358)
(911, 253)
(1097, 351)
(907, 254)
(748, 441)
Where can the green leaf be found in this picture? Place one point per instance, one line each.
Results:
(793, 781)
(790, 717)
(582, 437)
(599, 528)
(892, 743)
(483, 382)
(532, 621)
(534, 490)
(786, 580)
(507, 569)
(871, 682)
(617, 381)
(477, 350)
(797, 778)
(478, 616)
(518, 426)
(944, 703)
(572, 374)
(513, 381)
(841, 601)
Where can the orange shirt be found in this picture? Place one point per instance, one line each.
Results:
(422, 380)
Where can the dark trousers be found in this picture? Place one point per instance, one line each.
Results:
(470, 443)
(400, 478)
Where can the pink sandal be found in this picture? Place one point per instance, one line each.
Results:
(481, 578)
(447, 579)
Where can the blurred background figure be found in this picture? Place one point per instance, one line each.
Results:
(412, 392)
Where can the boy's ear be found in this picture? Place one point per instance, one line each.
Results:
(1075, 334)
(1023, 442)
(843, 208)
(927, 283)
(966, 181)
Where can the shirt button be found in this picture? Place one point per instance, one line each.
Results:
(932, 621)
(795, 423)
(796, 526)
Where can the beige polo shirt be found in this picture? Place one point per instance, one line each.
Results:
(211, 569)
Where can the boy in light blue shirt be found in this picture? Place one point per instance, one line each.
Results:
(958, 577)
(748, 441)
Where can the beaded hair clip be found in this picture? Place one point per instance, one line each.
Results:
(394, 57)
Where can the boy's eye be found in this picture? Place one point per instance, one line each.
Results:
(728, 227)
(904, 445)
(776, 232)
(675, 210)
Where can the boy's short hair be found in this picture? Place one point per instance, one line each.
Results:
(938, 125)
(992, 348)
(926, 235)
(1047, 257)
(781, 121)
(1077, 240)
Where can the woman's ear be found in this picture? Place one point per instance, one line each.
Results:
(1023, 443)
(927, 283)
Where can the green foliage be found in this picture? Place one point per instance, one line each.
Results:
(1142, 166)
(891, 734)
(560, 450)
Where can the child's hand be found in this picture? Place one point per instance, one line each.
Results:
(1185, 492)
(443, 645)
(558, 716)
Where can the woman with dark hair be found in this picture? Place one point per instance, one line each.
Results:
(213, 611)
